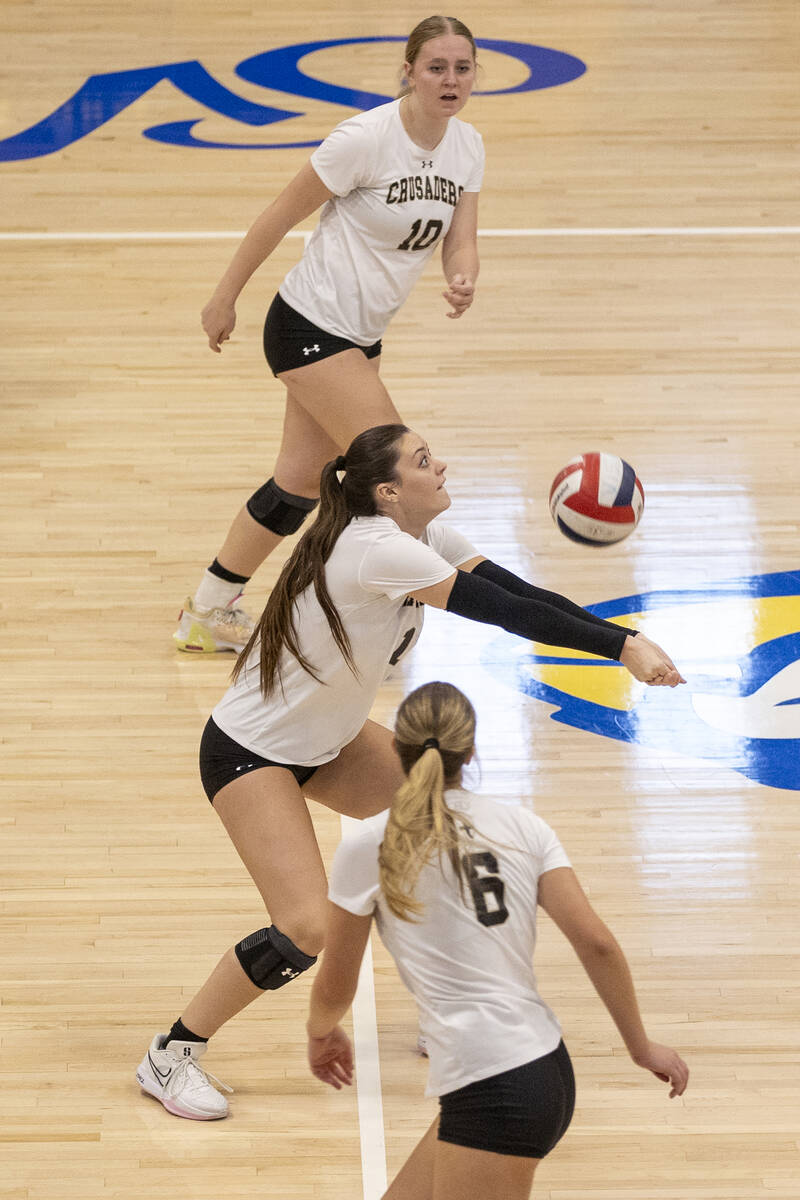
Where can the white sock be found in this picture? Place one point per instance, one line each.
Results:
(214, 592)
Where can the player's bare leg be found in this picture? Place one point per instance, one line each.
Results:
(268, 821)
(343, 397)
(327, 405)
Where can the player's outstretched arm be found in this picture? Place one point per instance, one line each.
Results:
(487, 569)
(547, 617)
(562, 897)
(467, 594)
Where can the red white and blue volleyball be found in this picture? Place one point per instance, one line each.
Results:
(596, 499)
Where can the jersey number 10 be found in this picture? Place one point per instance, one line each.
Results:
(428, 236)
(484, 885)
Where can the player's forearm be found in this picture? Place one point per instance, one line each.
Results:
(520, 587)
(480, 599)
(461, 260)
(329, 1003)
(607, 967)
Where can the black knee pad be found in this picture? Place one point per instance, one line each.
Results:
(277, 510)
(270, 959)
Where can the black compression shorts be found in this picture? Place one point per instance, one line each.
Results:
(524, 1111)
(222, 760)
(291, 340)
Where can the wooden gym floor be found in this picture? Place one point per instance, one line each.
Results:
(638, 294)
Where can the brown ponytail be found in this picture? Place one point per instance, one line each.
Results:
(371, 459)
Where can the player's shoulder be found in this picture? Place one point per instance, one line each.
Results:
(372, 531)
(372, 829)
(363, 838)
(363, 542)
(438, 533)
(466, 133)
(511, 815)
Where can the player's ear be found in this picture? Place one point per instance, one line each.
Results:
(386, 493)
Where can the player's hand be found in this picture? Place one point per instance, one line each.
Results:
(331, 1058)
(667, 1065)
(219, 320)
(648, 663)
(459, 295)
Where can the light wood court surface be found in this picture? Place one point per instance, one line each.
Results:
(127, 447)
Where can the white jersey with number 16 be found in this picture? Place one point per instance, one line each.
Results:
(468, 961)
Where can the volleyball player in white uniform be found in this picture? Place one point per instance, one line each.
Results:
(294, 724)
(395, 183)
(453, 881)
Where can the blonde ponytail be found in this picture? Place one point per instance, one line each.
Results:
(434, 735)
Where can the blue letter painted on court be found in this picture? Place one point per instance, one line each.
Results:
(102, 97)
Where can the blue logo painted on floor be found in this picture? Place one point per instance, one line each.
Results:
(737, 644)
(102, 97)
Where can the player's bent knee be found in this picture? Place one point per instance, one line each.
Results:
(277, 510)
(307, 931)
(270, 959)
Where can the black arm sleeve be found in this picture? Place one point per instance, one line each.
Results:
(520, 587)
(479, 599)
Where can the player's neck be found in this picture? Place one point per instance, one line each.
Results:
(409, 525)
(415, 525)
(424, 131)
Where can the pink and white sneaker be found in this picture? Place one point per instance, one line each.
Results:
(172, 1075)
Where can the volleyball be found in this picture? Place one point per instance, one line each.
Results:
(596, 499)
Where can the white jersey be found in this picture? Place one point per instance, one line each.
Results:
(468, 963)
(393, 203)
(372, 569)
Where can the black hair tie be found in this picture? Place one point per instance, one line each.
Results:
(340, 464)
(430, 744)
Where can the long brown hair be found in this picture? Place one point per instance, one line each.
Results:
(426, 31)
(434, 735)
(371, 459)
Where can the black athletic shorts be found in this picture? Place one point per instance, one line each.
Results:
(291, 340)
(222, 760)
(524, 1111)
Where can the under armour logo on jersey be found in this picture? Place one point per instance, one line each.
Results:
(311, 350)
(288, 971)
(427, 162)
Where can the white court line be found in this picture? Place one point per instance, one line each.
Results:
(651, 231)
(368, 1072)
(367, 1058)
(231, 235)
